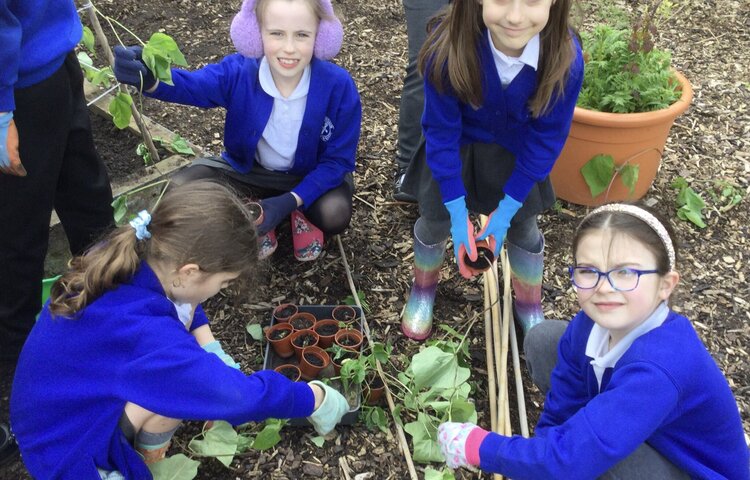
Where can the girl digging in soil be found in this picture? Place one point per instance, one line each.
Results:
(292, 123)
(634, 393)
(115, 360)
(501, 83)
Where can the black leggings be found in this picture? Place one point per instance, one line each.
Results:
(331, 212)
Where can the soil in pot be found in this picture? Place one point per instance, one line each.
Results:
(312, 361)
(346, 354)
(290, 371)
(344, 313)
(485, 257)
(303, 339)
(326, 330)
(374, 391)
(283, 312)
(302, 320)
(351, 339)
(280, 338)
(279, 334)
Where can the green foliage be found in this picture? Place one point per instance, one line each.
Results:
(119, 108)
(88, 39)
(444, 474)
(176, 467)
(374, 417)
(159, 53)
(255, 331)
(102, 77)
(176, 145)
(269, 436)
(725, 195)
(624, 74)
(689, 202)
(142, 151)
(362, 301)
(219, 441)
(599, 173)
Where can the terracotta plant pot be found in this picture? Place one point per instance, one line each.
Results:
(635, 138)
(348, 338)
(302, 320)
(326, 330)
(344, 313)
(301, 339)
(283, 312)
(256, 211)
(292, 372)
(337, 362)
(373, 391)
(313, 360)
(485, 257)
(280, 338)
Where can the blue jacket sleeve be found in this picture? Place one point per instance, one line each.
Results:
(340, 150)
(199, 318)
(10, 39)
(208, 87)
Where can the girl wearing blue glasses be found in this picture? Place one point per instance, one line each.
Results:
(633, 392)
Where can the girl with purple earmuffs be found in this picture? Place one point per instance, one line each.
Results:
(292, 122)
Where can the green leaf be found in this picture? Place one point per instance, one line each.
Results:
(142, 151)
(318, 441)
(462, 411)
(180, 145)
(444, 474)
(255, 331)
(102, 77)
(159, 53)
(438, 369)
(629, 175)
(119, 108)
(120, 207)
(219, 441)
(244, 443)
(176, 467)
(375, 417)
(269, 436)
(598, 173)
(424, 439)
(88, 39)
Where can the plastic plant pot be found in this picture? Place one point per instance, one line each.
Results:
(256, 211)
(326, 330)
(283, 312)
(280, 338)
(348, 338)
(302, 320)
(47, 287)
(485, 257)
(344, 313)
(337, 362)
(313, 360)
(303, 338)
(290, 371)
(374, 389)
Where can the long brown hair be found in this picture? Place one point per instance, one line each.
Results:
(450, 56)
(200, 222)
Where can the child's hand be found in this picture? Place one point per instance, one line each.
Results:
(462, 232)
(215, 348)
(499, 222)
(130, 69)
(459, 443)
(330, 410)
(274, 211)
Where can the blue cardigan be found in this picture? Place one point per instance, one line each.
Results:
(504, 118)
(327, 143)
(666, 390)
(35, 36)
(75, 376)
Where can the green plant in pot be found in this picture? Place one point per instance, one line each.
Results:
(630, 98)
(360, 373)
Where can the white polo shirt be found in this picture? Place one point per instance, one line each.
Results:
(509, 67)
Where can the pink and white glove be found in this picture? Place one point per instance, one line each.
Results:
(459, 443)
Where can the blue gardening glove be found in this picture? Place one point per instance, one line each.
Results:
(330, 411)
(275, 209)
(130, 68)
(215, 348)
(462, 232)
(499, 222)
(459, 443)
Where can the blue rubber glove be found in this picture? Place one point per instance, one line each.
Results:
(130, 68)
(215, 348)
(275, 209)
(330, 411)
(499, 222)
(462, 232)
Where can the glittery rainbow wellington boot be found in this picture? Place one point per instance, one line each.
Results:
(417, 320)
(526, 278)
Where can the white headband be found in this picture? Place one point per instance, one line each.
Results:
(646, 217)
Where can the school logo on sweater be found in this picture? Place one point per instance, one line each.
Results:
(327, 131)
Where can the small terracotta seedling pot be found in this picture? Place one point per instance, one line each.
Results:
(303, 338)
(302, 320)
(348, 338)
(485, 257)
(373, 390)
(313, 360)
(280, 338)
(256, 211)
(344, 313)
(283, 312)
(338, 362)
(292, 372)
(326, 330)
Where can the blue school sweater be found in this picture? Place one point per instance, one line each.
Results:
(327, 143)
(35, 36)
(75, 376)
(666, 390)
(504, 118)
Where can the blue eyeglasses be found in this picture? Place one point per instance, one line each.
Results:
(622, 279)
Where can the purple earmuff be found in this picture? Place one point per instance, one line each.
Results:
(245, 32)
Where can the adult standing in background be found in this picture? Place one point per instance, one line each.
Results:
(418, 12)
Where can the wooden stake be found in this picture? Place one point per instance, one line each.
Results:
(522, 415)
(491, 386)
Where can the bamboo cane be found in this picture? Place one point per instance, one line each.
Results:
(522, 415)
(491, 386)
(91, 10)
(503, 402)
(399, 430)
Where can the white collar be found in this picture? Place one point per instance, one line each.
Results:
(268, 85)
(597, 346)
(529, 56)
